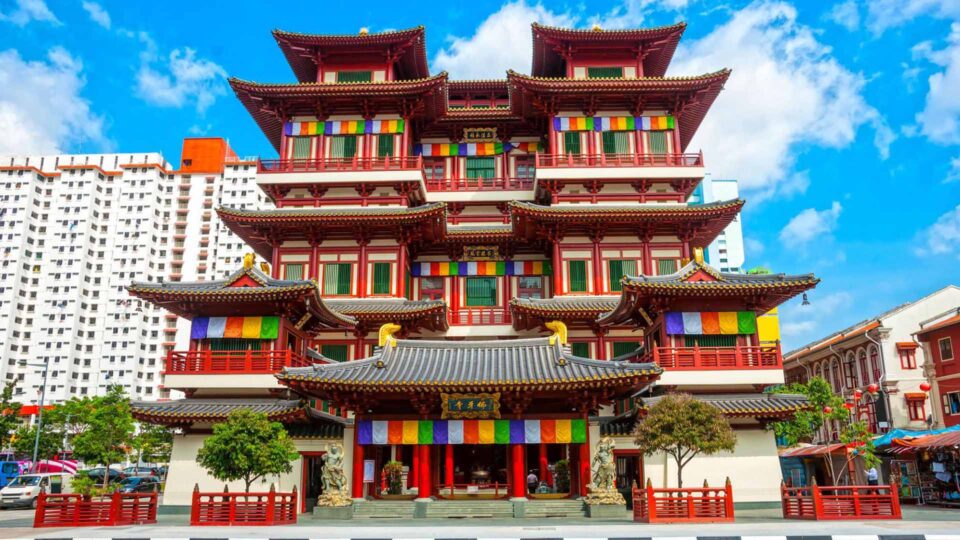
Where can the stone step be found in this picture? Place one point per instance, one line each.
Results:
(383, 510)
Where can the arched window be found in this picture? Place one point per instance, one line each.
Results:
(862, 361)
(849, 371)
(867, 411)
(875, 363)
(837, 378)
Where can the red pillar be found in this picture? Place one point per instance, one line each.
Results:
(357, 469)
(597, 268)
(402, 271)
(362, 273)
(425, 480)
(584, 463)
(545, 465)
(448, 465)
(557, 266)
(518, 478)
(275, 264)
(414, 476)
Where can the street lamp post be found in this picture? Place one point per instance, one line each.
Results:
(43, 394)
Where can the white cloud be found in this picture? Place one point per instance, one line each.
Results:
(180, 79)
(29, 10)
(884, 14)
(501, 42)
(753, 246)
(809, 225)
(846, 14)
(633, 13)
(940, 118)
(781, 72)
(798, 320)
(97, 13)
(953, 175)
(41, 109)
(943, 237)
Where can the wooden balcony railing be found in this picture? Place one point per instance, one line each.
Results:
(481, 316)
(683, 505)
(737, 357)
(232, 362)
(224, 508)
(75, 510)
(408, 163)
(480, 184)
(619, 160)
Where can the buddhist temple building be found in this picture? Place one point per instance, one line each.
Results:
(478, 279)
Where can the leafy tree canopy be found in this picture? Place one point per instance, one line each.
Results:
(684, 427)
(153, 443)
(805, 424)
(104, 427)
(9, 414)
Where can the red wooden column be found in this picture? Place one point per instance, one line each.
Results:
(402, 270)
(357, 468)
(597, 267)
(362, 270)
(545, 465)
(518, 478)
(275, 265)
(557, 266)
(584, 464)
(448, 465)
(413, 478)
(425, 469)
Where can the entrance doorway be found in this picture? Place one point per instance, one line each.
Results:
(311, 482)
(629, 472)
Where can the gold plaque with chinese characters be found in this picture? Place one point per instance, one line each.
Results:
(479, 135)
(481, 253)
(470, 406)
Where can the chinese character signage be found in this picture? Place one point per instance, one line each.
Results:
(458, 406)
(479, 135)
(481, 253)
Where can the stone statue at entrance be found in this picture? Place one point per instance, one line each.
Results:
(603, 488)
(334, 481)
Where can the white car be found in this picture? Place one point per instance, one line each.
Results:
(24, 489)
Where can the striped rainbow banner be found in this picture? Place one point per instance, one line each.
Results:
(710, 322)
(481, 268)
(472, 431)
(344, 127)
(235, 327)
(473, 149)
(613, 123)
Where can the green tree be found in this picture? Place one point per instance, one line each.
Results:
(759, 271)
(684, 427)
(248, 446)
(154, 443)
(9, 414)
(825, 406)
(51, 440)
(104, 428)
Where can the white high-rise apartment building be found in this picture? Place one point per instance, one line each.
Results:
(75, 230)
(726, 252)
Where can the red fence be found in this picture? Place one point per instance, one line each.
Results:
(235, 362)
(225, 508)
(840, 502)
(480, 184)
(738, 357)
(479, 316)
(683, 505)
(409, 163)
(74, 510)
(619, 160)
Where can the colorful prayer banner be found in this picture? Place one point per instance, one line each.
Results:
(613, 123)
(235, 327)
(710, 322)
(473, 149)
(472, 431)
(344, 127)
(481, 268)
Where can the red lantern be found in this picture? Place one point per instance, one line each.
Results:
(857, 395)
(873, 388)
(925, 386)
(848, 405)
(827, 410)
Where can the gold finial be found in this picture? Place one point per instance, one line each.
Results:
(596, 27)
(698, 255)
(265, 267)
(248, 261)
(559, 332)
(364, 31)
(386, 334)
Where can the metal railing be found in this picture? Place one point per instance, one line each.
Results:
(737, 357)
(407, 163)
(619, 160)
(232, 362)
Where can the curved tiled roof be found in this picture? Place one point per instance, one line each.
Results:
(724, 280)
(754, 405)
(308, 214)
(212, 409)
(485, 230)
(414, 314)
(611, 210)
(439, 365)
(566, 305)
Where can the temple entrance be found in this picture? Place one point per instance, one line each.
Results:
(629, 472)
(473, 471)
(311, 482)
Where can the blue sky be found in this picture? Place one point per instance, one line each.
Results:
(841, 119)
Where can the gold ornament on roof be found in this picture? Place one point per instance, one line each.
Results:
(559, 332)
(596, 27)
(386, 334)
(248, 260)
(364, 31)
(698, 255)
(265, 267)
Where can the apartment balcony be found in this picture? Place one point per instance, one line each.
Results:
(743, 366)
(359, 169)
(232, 362)
(619, 166)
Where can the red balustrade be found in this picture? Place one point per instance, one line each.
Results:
(389, 163)
(480, 184)
(619, 160)
(840, 502)
(472, 316)
(74, 510)
(683, 505)
(737, 357)
(225, 508)
(233, 362)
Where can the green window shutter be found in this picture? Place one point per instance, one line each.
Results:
(657, 142)
(339, 353)
(293, 271)
(234, 344)
(336, 278)
(666, 266)
(481, 291)
(481, 167)
(604, 72)
(381, 278)
(581, 349)
(301, 147)
(385, 146)
(615, 142)
(618, 269)
(571, 142)
(621, 348)
(343, 279)
(354, 76)
(710, 341)
(577, 270)
(343, 146)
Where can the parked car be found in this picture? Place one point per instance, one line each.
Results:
(97, 475)
(140, 484)
(141, 470)
(24, 489)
